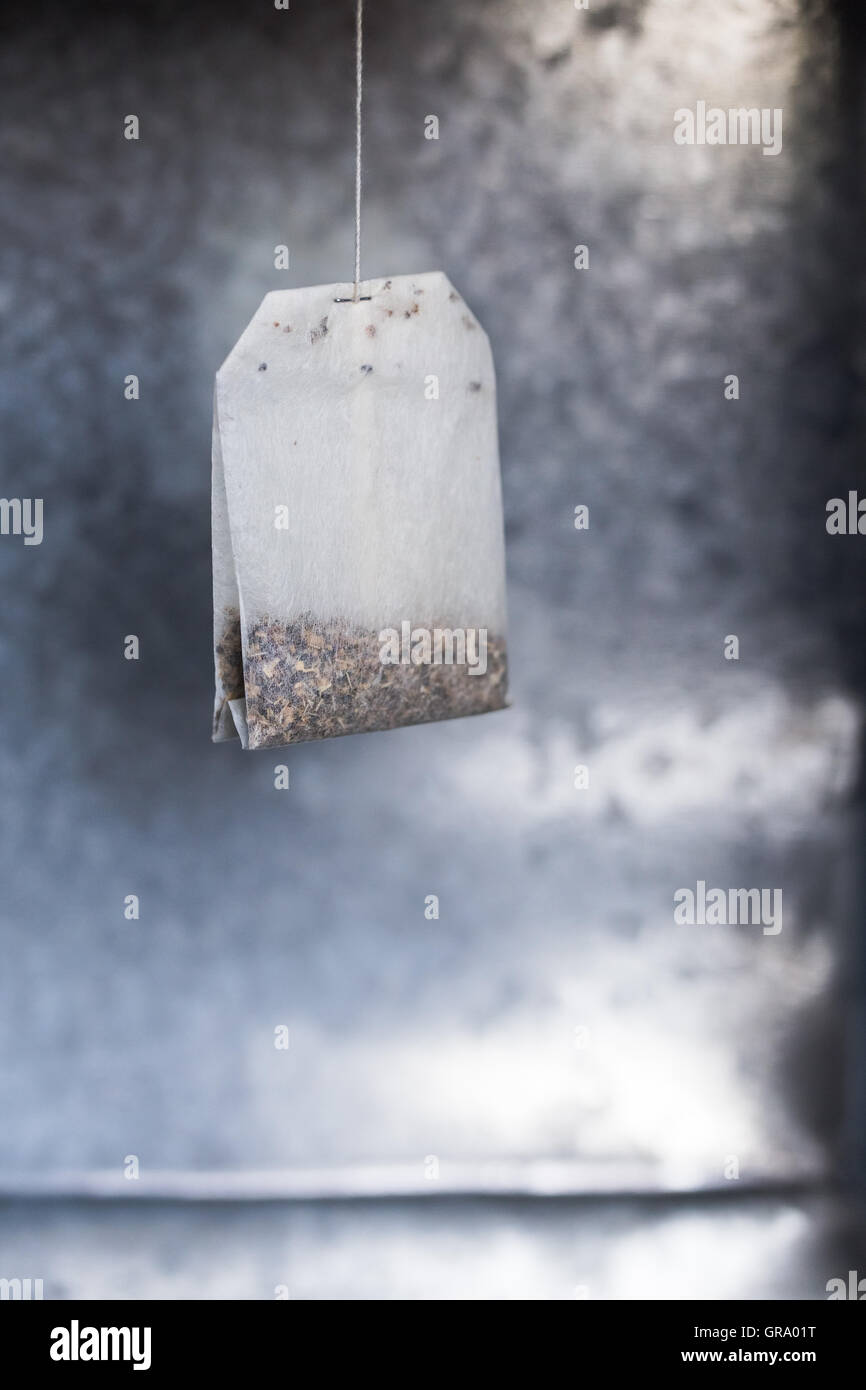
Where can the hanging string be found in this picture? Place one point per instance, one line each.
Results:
(359, 76)
(358, 89)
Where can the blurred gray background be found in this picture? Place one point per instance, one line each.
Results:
(553, 1033)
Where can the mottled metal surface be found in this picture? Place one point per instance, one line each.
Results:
(553, 1009)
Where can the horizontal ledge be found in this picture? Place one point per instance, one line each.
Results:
(537, 1178)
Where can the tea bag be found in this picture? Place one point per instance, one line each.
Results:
(358, 558)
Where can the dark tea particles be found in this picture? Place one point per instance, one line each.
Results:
(307, 681)
(230, 658)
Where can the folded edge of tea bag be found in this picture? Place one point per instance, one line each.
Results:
(223, 726)
(228, 654)
(239, 715)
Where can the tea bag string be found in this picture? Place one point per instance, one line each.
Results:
(359, 73)
(359, 87)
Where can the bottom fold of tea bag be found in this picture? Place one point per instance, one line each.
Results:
(238, 710)
(305, 679)
(229, 720)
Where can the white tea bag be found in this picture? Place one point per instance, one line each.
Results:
(357, 516)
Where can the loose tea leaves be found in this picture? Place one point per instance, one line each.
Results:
(357, 523)
(306, 682)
